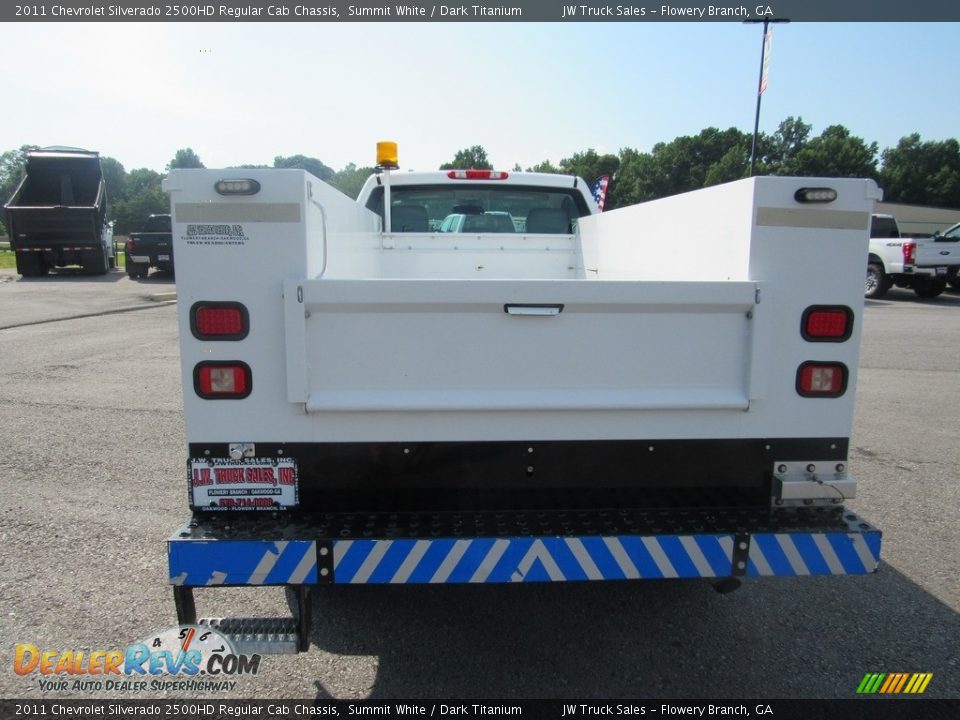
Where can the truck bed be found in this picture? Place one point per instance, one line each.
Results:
(667, 392)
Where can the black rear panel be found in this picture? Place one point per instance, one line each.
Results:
(530, 476)
(54, 227)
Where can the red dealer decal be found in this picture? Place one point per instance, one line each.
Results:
(253, 484)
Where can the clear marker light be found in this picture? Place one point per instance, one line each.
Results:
(815, 195)
(244, 186)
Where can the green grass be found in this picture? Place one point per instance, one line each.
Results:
(8, 260)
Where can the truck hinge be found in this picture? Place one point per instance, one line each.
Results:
(300, 294)
(756, 296)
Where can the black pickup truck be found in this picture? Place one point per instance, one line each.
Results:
(151, 247)
(58, 214)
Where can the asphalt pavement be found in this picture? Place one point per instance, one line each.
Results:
(92, 483)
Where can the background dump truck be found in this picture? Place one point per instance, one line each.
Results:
(58, 214)
(594, 397)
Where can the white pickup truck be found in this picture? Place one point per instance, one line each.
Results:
(924, 264)
(589, 397)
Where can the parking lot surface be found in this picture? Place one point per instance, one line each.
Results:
(92, 482)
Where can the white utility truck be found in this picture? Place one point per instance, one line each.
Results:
(589, 397)
(924, 264)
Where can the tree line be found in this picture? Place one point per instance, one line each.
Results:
(915, 171)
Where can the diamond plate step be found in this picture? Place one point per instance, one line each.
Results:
(258, 636)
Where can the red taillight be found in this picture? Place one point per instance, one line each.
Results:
(222, 380)
(827, 323)
(477, 175)
(909, 250)
(219, 321)
(129, 245)
(821, 379)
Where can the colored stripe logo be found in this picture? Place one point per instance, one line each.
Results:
(894, 683)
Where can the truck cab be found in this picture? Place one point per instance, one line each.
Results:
(480, 201)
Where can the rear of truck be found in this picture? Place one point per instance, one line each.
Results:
(925, 265)
(151, 247)
(57, 215)
(660, 391)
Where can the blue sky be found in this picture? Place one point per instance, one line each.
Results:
(245, 92)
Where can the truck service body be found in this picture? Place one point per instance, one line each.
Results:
(57, 215)
(590, 397)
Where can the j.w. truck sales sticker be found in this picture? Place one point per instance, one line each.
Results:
(249, 484)
(215, 234)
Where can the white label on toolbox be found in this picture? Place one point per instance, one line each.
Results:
(250, 484)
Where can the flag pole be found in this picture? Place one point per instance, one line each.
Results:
(760, 84)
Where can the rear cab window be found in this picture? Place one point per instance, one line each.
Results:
(481, 208)
(883, 227)
(157, 223)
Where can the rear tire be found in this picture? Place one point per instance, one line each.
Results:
(31, 264)
(877, 282)
(96, 262)
(136, 270)
(929, 290)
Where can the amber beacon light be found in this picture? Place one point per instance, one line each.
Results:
(387, 155)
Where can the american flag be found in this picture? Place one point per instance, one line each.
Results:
(599, 190)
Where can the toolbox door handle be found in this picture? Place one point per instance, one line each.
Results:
(537, 310)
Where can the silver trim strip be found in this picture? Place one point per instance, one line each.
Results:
(813, 219)
(237, 212)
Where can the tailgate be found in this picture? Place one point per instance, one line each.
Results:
(410, 345)
(54, 225)
(940, 252)
(152, 242)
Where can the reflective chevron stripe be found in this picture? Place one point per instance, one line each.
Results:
(525, 559)
(814, 553)
(521, 559)
(242, 562)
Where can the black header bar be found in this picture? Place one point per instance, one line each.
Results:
(485, 11)
(577, 709)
